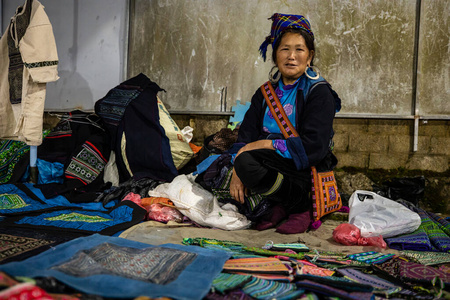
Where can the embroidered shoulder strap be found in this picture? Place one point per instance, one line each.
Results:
(278, 113)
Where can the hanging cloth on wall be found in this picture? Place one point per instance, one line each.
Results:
(28, 60)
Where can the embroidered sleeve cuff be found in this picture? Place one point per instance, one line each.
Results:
(281, 148)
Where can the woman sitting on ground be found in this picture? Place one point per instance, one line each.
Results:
(268, 164)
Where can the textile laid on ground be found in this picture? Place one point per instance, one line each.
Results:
(20, 243)
(28, 60)
(26, 207)
(433, 234)
(126, 269)
(131, 116)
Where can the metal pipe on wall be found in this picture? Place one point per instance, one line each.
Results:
(414, 108)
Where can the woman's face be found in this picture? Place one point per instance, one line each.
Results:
(292, 57)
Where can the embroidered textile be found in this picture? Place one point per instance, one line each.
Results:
(26, 291)
(87, 164)
(421, 272)
(314, 270)
(18, 27)
(341, 283)
(193, 282)
(20, 243)
(379, 284)
(10, 153)
(225, 282)
(156, 265)
(11, 245)
(115, 102)
(120, 217)
(28, 60)
(428, 258)
(266, 252)
(256, 265)
(18, 199)
(269, 289)
(332, 292)
(371, 257)
(433, 234)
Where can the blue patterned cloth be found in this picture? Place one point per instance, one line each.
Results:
(193, 280)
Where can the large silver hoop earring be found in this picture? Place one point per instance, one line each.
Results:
(274, 74)
(314, 69)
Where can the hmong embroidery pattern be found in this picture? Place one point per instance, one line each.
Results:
(10, 154)
(87, 165)
(11, 201)
(13, 245)
(271, 289)
(278, 112)
(15, 73)
(61, 129)
(112, 107)
(41, 64)
(77, 217)
(156, 265)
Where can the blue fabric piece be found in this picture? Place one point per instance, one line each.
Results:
(287, 94)
(201, 167)
(50, 172)
(193, 282)
(67, 218)
(32, 205)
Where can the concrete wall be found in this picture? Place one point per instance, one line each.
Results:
(365, 49)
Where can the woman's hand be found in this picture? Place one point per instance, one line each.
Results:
(237, 188)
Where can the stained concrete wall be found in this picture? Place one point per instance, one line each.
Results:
(194, 49)
(433, 88)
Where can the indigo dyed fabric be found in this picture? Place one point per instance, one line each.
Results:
(121, 217)
(193, 282)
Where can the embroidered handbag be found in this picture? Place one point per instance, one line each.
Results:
(324, 191)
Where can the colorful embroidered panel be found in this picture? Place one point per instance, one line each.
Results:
(87, 164)
(18, 199)
(256, 265)
(225, 282)
(156, 265)
(10, 154)
(379, 284)
(123, 216)
(12, 201)
(11, 245)
(371, 257)
(270, 289)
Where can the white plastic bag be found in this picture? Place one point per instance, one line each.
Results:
(199, 204)
(375, 215)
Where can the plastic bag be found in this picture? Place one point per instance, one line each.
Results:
(375, 215)
(406, 188)
(161, 213)
(350, 235)
(200, 205)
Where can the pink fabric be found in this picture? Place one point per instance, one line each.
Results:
(164, 214)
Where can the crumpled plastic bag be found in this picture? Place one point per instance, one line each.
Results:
(200, 205)
(375, 215)
(350, 235)
(162, 213)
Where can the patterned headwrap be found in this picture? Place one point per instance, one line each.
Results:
(279, 24)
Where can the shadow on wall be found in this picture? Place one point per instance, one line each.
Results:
(77, 94)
